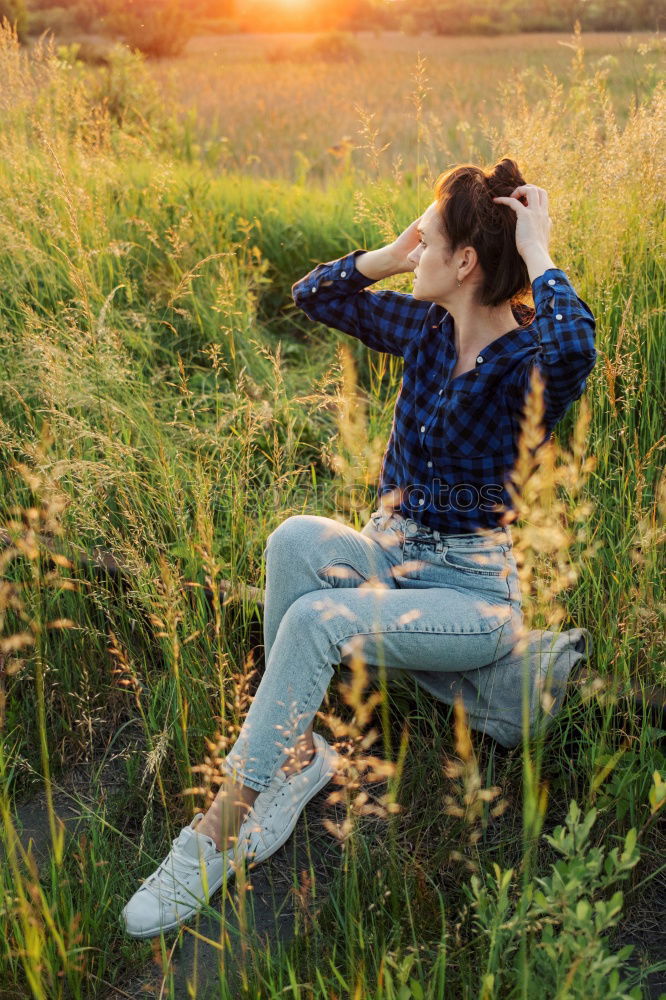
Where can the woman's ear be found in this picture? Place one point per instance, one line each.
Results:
(467, 256)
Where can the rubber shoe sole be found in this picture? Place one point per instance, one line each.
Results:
(142, 917)
(184, 917)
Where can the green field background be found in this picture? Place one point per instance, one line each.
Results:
(163, 398)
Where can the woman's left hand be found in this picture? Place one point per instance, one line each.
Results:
(532, 220)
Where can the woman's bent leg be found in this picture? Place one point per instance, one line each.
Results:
(305, 554)
(426, 628)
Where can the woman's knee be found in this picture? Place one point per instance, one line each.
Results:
(295, 533)
(316, 618)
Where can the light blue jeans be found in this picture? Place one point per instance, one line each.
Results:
(400, 595)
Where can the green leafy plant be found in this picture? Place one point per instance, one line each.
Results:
(556, 928)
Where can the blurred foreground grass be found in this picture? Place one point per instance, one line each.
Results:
(166, 400)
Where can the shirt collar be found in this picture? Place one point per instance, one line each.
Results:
(522, 335)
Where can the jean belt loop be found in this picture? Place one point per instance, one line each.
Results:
(440, 545)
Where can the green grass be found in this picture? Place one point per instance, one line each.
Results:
(172, 405)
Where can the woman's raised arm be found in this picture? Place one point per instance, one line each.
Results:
(566, 353)
(334, 293)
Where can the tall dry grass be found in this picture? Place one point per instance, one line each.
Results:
(163, 398)
(303, 120)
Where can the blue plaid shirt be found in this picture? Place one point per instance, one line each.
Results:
(454, 442)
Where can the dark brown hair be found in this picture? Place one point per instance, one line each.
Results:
(470, 217)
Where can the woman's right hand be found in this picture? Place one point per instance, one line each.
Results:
(391, 258)
(403, 245)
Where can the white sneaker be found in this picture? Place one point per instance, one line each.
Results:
(191, 873)
(275, 811)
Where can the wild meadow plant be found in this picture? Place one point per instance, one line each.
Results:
(162, 398)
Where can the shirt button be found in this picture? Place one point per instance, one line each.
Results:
(551, 281)
(314, 288)
(421, 501)
(440, 392)
(559, 316)
(479, 359)
(422, 428)
(343, 274)
(430, 465)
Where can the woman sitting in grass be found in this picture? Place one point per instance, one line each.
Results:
(430, 585)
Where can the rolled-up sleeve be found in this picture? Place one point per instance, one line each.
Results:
(566, 354)
(335, 294)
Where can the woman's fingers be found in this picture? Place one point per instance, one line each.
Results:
(535, 196)
(513, 203)
(526, 196)
(530, 203)
(405, 243)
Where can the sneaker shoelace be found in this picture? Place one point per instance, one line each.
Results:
(174, 872)
(265, 804)
(261, 812)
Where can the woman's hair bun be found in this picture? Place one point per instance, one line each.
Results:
(469, 217)
(504, 178)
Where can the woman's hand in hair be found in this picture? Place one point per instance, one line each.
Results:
(403, 245)
(392, 258)
(530, 203)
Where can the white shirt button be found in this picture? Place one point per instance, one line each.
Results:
(422, 428)
(430, 465)
(440, 392)
(479, 359)
(559, 316)
(343, 274)
(421, 501)
(314, 288)
(551, 281)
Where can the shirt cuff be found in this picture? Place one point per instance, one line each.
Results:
(546, 285)
(564, 322)
(344, 271)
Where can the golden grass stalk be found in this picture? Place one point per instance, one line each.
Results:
(357, 459)
(551, 514)
(469, 800)
(358, 768)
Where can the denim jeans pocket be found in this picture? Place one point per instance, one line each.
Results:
(488, 560)
(339, 572)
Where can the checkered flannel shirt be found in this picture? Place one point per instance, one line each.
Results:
(454, 441)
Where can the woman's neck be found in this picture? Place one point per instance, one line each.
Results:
(474, 327)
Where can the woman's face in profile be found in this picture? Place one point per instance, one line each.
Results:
(434, 278)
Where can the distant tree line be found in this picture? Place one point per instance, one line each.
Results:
(163, 27)
(445, 17)
(449, 17)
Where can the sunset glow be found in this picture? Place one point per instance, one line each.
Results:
(298, 15)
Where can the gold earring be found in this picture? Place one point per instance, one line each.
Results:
(458, 282)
